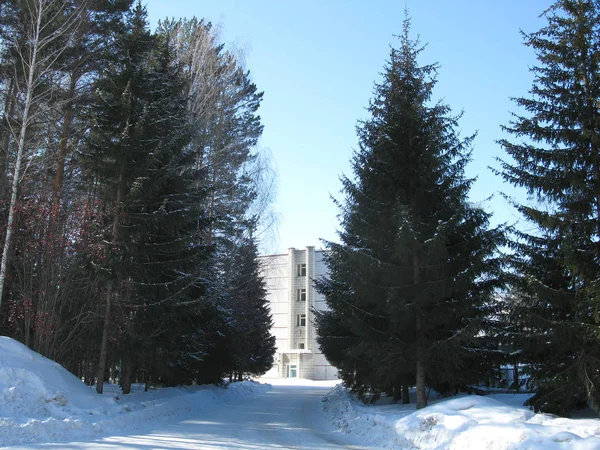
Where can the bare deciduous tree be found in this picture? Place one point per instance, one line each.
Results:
(44, 25)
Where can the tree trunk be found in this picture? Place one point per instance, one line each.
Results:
(397, 389)
(88, 376)
(109, 292)
(421, 394)
(515, 382)
(405, 393)
(126, 379)
(104, 344)
(420, 377)
(62, 149)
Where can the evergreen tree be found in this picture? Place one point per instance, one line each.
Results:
(115, 159)
(541, 307)
(138, 154)
(559, 165)
(162, 216)
(411, 282)
(253, 346)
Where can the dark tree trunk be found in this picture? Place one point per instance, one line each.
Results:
(515, 382)
(421, 393)
(420, 378)
(109, 293)
(127, 372)
(104, 344)
(63, 149)
(405, 393)
(397, 389)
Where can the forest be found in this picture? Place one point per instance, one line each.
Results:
(132, 196)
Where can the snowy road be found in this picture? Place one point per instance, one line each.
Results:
(288, 417)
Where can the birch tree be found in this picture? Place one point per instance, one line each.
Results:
(43, 26)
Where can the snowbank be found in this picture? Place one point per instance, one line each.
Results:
(35, 387)
(40, 401)
(469, 422)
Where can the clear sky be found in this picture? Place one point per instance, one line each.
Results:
(317, 60)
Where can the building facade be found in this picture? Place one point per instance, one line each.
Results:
(289, 283)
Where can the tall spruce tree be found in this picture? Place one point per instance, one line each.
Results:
(253, 346)
(161, 218)
(115, 158)
(138, 155)
(411, 280)
(558, 163)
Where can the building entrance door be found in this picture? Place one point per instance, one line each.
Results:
(292, 371)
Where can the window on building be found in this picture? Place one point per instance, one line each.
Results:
(301, 320)
(301, 345)
(292, 371)
(301, 295)
(301, 270)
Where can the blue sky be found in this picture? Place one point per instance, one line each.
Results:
(317, 60)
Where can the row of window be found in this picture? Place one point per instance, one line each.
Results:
(300, 318)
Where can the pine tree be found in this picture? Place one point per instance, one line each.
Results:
(411, 282)
(558, 164)
(137, 156)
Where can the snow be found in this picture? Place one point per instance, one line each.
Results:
(40, 401)
(44, 406)
(495, 422)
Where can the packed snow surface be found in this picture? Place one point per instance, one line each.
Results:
(44, 406)
(496, 422)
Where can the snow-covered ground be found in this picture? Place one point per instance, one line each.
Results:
(494, 422)
(44, 406)
(40, 401)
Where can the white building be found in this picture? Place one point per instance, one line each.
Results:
(289, 282)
